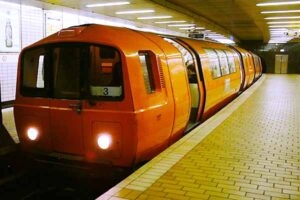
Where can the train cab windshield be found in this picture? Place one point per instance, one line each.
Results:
(72, 71)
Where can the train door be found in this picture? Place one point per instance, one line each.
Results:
(251, 71)
(190, 63)
(65, 106)
(281, 64)
(243, 68)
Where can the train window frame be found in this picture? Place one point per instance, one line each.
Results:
(223, 58)
(230, 54)
(218, 67)
(47, 92)
(27, 91)
(108, 88)
(151, 78)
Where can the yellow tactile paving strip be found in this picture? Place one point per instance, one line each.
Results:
(253, 154)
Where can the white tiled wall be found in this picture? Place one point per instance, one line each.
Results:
(8, 72)
(32, 16)
(32, 25)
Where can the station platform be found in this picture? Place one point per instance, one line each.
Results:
(248, 150)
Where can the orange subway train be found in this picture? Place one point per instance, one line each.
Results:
(116, 97)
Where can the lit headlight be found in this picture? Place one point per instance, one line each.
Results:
(104, 141)
(32, 133)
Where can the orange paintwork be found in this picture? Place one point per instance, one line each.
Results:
(257, 65)
(142, 124)
(248, 66)
(216, 92)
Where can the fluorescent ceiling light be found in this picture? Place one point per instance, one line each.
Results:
(119, 3)
(134, 12)
(275, 41)
(215, 34)
(281, 32)
(217, 37)
(155, 17)
(187, 28)
(285, 17)
(278, 3)
(278, 29)
(284, 26)
(181, 25)
(169, 22)
(285, 22)
(225, 41)
(280, 11)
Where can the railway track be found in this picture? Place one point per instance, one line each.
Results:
(25, 181)
(21, 178)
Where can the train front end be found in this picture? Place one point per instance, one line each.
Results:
(73, 101)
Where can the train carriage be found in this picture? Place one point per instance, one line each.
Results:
(117, 97)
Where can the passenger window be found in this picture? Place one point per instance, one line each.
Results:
(231, 62)
(223, 62)
(106, 77)
(147, 69)
(213, 63)
(188, 60)
(33, 83)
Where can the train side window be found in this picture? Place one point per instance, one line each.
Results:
(223, 62)
(147, 69)
(231, 62)
(213, 63)
(32, 73)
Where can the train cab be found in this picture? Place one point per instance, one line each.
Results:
(100, 98)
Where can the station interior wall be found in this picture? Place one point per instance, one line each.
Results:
(267, 52)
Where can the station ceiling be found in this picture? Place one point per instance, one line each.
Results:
(241, 19)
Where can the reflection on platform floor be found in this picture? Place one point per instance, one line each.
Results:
(9, 123)
(253, 154)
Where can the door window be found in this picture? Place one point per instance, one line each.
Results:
(66, 72)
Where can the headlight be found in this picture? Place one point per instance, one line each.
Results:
(32, 133)
(104, 141)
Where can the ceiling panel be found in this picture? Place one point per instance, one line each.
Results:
(240, 18)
